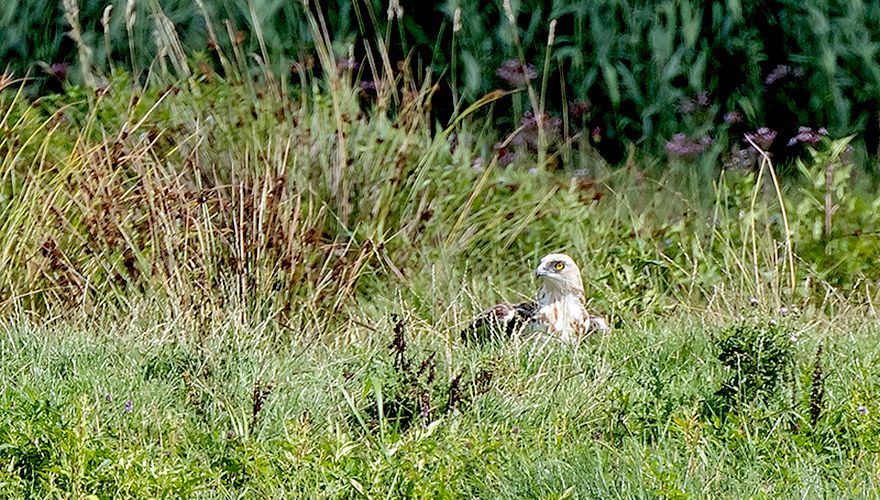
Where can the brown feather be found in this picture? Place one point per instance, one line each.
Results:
(502, 318)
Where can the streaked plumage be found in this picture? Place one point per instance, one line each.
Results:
(558, 308)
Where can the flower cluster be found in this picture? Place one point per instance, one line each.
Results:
(806, 135)
(369, 89)
(733, 117)
(346, 64)
(579, 108)
(529, 135)
(747, 157)
(744, 158)
(516, 73)
(781, 72)
(59, 70)
(763, 137)
(505, 155)
(687, 147)
(693, 104)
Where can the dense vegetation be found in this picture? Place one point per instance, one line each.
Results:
(635, 71)
(220, 278)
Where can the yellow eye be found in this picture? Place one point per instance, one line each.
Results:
(559, 266)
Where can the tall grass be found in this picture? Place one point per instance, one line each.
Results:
(638, 64)
(238, 188)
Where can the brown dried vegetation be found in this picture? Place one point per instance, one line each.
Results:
(154, 194)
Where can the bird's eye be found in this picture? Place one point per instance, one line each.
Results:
(559, 266)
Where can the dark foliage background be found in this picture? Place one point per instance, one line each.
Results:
(648, 69)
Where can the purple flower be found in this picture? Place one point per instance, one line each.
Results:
(517, 74)
(698, 102)
(346, 63)
(108, 398)
(686, 147)
(59, 70)
(477, 164)
(596, 134)
(779, 72)
(782, 72)
(505, 156)
(129, 405)
(369, 89)
(862, 409)
(732, 117)
(552, 124)
(528, 133)
(763, 137)
(806, 135)
(686, 106)
(702, 98)
(744, 158)
(579, 108)
(453, 142)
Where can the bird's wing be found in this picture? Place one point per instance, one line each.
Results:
(501, 319)
(597, 324)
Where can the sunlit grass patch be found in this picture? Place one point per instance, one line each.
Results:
(241, 408)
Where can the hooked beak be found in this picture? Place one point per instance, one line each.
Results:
(541, 272)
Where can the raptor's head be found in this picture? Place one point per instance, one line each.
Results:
(560, 274)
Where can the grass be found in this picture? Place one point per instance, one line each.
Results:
(246, 409)
(216, 285)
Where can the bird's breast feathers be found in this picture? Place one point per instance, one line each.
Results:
(565, 316)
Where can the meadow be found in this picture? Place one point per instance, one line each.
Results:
(222, 281)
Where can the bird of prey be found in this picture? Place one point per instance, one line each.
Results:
(557, 309)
